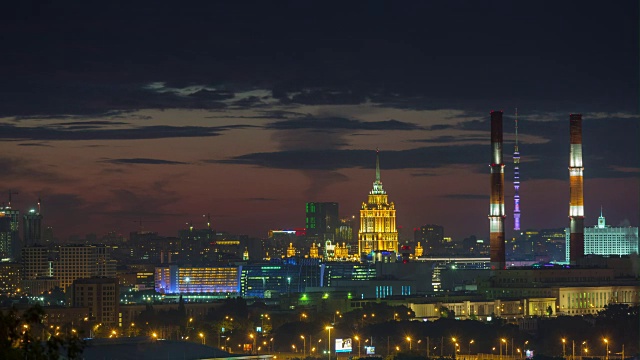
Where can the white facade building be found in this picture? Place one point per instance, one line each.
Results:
(604, 239)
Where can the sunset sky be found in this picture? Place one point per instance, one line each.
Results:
(247, 110)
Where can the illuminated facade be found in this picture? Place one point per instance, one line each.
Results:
(516, 182)
(604, 239)
(83, 261)
(174, 279)
(378, 231)
(419, 250)
(313, 252)
(285, 277)
(343, 271)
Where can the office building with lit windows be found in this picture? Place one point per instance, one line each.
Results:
(174, 279)
(101, 296)
(83, 261)
(606, 240)
(322, 220)
(279, 277)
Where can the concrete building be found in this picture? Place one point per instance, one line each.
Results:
(9, 278)
(101, 296)
(606, 240)
(83, 261)
(223, 280)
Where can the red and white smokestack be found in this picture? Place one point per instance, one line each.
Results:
(576, 196)
(496, 202)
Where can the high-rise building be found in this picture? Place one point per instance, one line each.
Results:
(83, 261)
(32, 227)
(9, 278)
(35, 262)
(604, 239)
(432, 236)
(322, 220)
(101, 296)
(279, 277)
(378, 232)
(175, 279)
(9, 233)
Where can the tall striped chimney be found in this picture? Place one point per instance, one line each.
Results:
(576, 199)
(496, 202)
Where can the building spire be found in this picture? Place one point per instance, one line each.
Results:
(377, 185)
(377, 165)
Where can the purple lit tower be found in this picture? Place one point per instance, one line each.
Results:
(516, 182)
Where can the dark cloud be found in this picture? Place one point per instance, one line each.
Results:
(20, 168)
(144, 161)
(466, 196)
(408, 55)
(8, 131)
(337, 123)
(452, 139)
(95, 123)
(215, 95)
(35, 144)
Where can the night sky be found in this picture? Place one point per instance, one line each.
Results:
(247, 110)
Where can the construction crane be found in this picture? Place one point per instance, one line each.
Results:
(140, 221)
(11, 192)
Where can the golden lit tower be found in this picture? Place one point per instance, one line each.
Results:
(378, 230)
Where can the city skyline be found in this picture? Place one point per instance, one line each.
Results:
(248, 113)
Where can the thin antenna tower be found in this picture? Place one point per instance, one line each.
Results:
(516, 181)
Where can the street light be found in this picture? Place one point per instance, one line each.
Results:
(358, 340)
(329, 344)
(455, 346)
(409, 340)
(505, 342)
(607, 343)
(304, 344)
(203, 339)
(563, 347)
(254, 342)
(470, 342)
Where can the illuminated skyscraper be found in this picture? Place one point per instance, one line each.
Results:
(322, 220)
(9, 233)
(378, 231)
(32, 226)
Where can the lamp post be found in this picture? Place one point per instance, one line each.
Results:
(304, 344)
(564, 341)
(409, 340)
(204, 341)
(455, 346)
(505, 342)
(329, 339)
(358, 340)
(254, 342)
(470, 342)
(606, 341)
